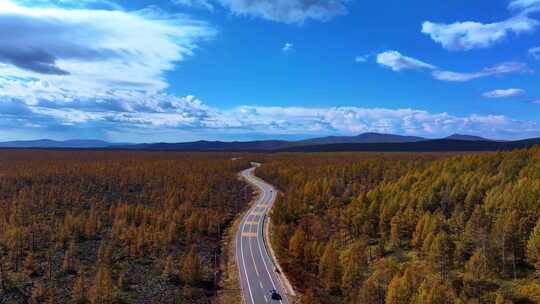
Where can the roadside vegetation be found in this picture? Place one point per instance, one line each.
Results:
(114, 227)
(409, 228)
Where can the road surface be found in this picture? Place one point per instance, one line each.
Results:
(257, 270)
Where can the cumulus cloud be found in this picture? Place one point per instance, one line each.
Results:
(163, 113)
(500, 69)
(504, 93)
(397, 62)
(287, 11)
(534, 52)
(464, 36)
(354, 120)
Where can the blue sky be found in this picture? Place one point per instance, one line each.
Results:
(181, 70)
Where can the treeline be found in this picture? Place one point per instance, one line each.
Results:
(398, 228)
(114, 227)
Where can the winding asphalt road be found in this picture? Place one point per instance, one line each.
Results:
(256, 267)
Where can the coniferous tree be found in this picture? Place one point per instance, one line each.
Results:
(395, 231)
(329, 272)
(354, 264)
(190, 272)
(78, 293)
(297, 244)
(38, 293)
(123, 282)
(68, 264)
(533, 246)
(30, 265)
(399, 291)
(102, 289)
(168, 269)
(500, 299)
(441, 254)
(435, 293)
(3, 277)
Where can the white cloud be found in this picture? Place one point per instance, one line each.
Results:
(102, 71)
(463, 36)
(287, 11)
(362, 58)
(288, 47)
(83, 69)
(397, 62)
(536, 102)
(59, 55)
(162, 113)
(500, 69)
(205, 4)
(94, 4)
(525, 6)
(353, 120)
(504, 93)
(534, 52)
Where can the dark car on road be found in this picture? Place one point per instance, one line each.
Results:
(274, 295)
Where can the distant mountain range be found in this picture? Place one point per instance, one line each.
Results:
(362, 142)
(270, 145)
(433, 145)
(47, 143)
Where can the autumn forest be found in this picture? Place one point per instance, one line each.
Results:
(409, 228)
(381, 228)
(114, 227)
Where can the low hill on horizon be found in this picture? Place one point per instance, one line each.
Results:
(369, 137)
(466, 137)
